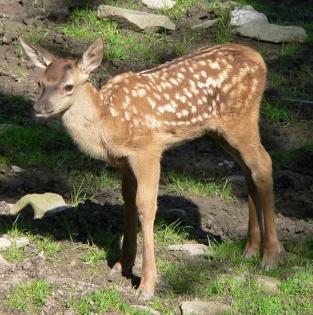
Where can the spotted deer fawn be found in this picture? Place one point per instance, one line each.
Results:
(134, 117)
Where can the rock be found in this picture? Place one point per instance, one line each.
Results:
(159, 4)
(6, 38)
(190, 249)
(70, 312)
(16, 169)
(246, 14)
(135, 19)
(204, 25)
(203, 308)
(21, 242)
(237, 179)
(5, 265)
(238, 277)
(146, 309)
(5, 208)
(268, 284)
(42, 204)
(272, 33)
(226, 164)
(4, 244)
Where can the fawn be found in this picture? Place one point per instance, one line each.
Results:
(134, 117)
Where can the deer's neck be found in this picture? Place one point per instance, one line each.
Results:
(85, 122)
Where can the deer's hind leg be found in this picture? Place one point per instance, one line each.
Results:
(256, 163)
(129, 247)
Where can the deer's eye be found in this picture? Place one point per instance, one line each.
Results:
(68, 87)
(39, 84)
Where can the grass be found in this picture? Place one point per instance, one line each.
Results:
(180, 9)
(46, 146)
(36, 36)
(86, 185)
(16, 109)
(275, 114)
(29, 297)
(169, 233)
(14, 254)
(223, 28)
(121, 45)
(224, 275)
(94, 256)
(45, 244)
(285, 158)
(103, 301)
(131, 5)
(181, 184)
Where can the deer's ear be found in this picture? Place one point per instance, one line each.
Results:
(92, 57)
(40, 57)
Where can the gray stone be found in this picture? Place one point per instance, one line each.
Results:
(203, 308)
(42, 204)
(246, 14)
(159, 4)
(272, 33)
(145, 309)
(21, 242)
(190, 249)
(16, 169)
(237, 179)
(70, 312)
(204, 25)
(135, 19)
(268, 284)
(4, 244)
(5, 265)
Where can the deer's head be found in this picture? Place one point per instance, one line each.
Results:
(61, 77)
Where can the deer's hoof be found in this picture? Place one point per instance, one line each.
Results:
(250, 251)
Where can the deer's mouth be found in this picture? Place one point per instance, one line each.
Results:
(49, 114)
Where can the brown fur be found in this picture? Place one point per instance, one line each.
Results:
(136, 116)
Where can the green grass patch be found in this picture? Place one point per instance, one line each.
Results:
(122, 45)
(4, 160)
(181, 7)
(45, 244)
(43, 145)
(248, 298)
(131, 5)
(29, 297)
(94, 256)
(222, 28)
(103, 301)
(174, 232)
(275, 114)
(224, 274)
(285, 158)
(35, 36)
(86, 185)
(184, 183)
(14, 254)
(15, 109)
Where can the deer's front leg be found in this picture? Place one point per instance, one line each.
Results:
(147, 173)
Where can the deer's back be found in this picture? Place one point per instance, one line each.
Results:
(188, 95)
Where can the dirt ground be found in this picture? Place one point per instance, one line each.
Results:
(206, 217)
